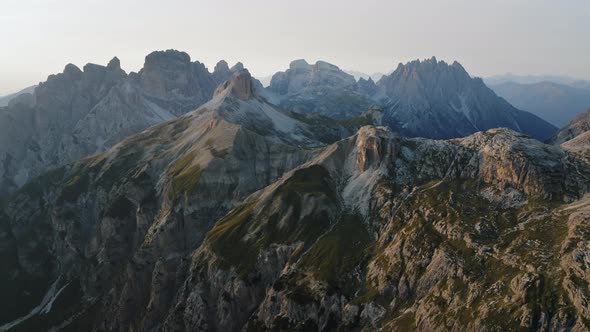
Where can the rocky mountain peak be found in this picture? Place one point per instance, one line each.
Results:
(223, 72)
(457, 65)
(172, 81)
(299, 64)
(425, 69)
(455, 103)
(237, 66)
(240, 85)
(98, 74)
(431, 60)
(367, 86)
(71, 70)
(221, 67)
(169, 59)
(325, 65)
(301, 75)
(114, 64)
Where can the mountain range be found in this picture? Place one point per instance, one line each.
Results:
(531, 79)
(422, 98)
(237, 216)
(81, 112)
(182, 199)
(554, 102)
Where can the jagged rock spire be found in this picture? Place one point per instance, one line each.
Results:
(240, 85)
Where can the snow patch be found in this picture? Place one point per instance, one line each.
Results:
(464, 108)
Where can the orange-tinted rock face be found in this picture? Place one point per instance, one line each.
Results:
(239, 85)
(374, 147)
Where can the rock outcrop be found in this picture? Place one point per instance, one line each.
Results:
(367, 86)
(578, 125)
(239, 85)
(173, 82)
(222, 72)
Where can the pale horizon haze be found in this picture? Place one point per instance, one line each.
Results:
(536, 37)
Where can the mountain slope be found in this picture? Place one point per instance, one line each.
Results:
(433, 99)
(553, 102)
(235, 216)
(174, 180)
(350, 241)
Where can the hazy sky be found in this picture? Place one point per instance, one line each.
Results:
(488, 37)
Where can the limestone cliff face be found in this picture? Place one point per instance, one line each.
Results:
(32, 131)
(176, 84)
(508, 158)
